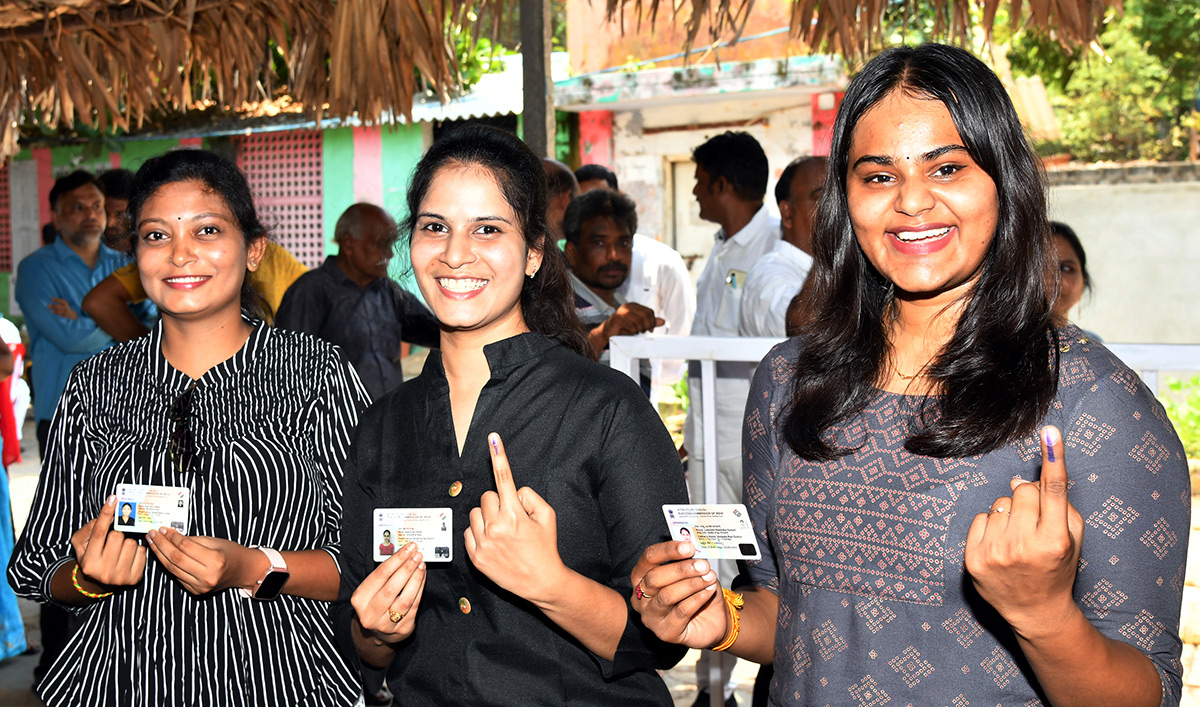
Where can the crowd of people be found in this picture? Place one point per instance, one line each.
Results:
(959, 496)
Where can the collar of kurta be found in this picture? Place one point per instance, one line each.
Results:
(503, 356)
(174, 380)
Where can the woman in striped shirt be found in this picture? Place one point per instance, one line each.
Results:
(249, 423)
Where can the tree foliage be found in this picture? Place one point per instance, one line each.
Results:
(1134, 100)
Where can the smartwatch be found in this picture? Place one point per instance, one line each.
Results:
(270, 584)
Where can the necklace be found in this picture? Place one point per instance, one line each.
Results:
(904, 376)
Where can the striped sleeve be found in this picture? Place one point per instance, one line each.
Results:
(338, 404)
(60, 506)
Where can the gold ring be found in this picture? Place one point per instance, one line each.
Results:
(395, 616)
(998, 509)
(641, 593)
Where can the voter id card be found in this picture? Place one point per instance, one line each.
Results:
(719, 531)
(429, 528)
(142, 508)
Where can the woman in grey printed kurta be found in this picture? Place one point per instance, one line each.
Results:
(866, 553)
(959, 504)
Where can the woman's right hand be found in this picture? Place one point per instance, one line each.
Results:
(106, 557)
(393, 589)
(681, 600)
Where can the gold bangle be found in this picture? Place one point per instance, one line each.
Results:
(734, 602)
(86, 593)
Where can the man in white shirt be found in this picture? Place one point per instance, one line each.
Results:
(731, 181)
(658, 279)
(778, 276)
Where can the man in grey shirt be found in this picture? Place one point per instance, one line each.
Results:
(350, 301)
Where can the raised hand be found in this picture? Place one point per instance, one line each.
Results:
(679, 596)
(386, 602)
(107, 558)
(513, 536)
(202, 564)
(1023, 554)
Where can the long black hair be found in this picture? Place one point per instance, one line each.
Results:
(220, 176)
(547, 300)
(997, 376)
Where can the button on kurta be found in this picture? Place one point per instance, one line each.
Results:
(455, 488)
(464, 605)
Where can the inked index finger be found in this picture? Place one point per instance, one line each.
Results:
(1054, 478)
(506, 488)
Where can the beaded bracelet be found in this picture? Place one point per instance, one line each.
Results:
(86, 593)
(735, 602)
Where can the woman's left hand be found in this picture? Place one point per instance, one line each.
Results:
(513, 538)
(202, 564)
(1023, 555)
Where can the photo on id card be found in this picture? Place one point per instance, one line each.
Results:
(719, 531)
(143, 507)
(430, 528)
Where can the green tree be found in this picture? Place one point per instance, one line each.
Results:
(1135, 100)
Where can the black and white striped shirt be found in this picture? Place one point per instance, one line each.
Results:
(272, 426)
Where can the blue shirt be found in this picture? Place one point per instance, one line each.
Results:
(56, 344)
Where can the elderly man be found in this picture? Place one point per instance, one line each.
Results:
(350, 301)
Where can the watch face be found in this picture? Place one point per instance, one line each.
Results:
(271, 585)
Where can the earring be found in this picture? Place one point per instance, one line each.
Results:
(530, 275)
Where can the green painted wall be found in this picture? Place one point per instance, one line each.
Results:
(402, 147)
(337, 179)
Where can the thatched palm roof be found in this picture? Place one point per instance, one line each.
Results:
(114, 62)
(853, 27)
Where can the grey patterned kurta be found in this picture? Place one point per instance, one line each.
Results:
(866, 552)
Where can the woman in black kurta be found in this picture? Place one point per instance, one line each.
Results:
(581, 438)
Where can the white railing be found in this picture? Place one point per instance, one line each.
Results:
(626, 351)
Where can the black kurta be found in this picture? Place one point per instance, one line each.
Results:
(585, 438)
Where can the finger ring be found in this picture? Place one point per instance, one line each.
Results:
(395, 616)
(998, 509)
(640, 593)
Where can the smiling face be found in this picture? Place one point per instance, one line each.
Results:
(923, 211)
(469, 254)
(191, 253)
